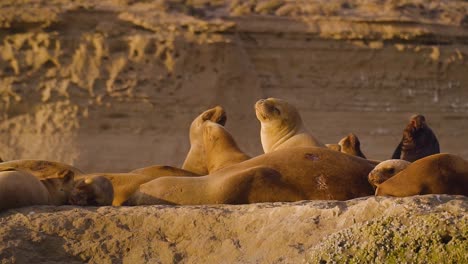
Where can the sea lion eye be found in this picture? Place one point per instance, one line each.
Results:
(391, 170)
(276, 109)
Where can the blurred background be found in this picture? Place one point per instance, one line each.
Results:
(113, 85)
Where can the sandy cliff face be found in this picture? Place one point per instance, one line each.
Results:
(429, 229)
(113, 85)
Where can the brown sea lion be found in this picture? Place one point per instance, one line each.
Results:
(335, 147)
(19, 188)
(418, 141)
(221, 150)
(42, 169)
(281, 126)
(435, 174)
(92, 189)
(58, 178)
(89, 192)
(289, 174)
(351, 145)
(385, 170)
(195, 160)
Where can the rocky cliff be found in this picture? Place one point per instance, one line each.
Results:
(420, 229)
(113, 85)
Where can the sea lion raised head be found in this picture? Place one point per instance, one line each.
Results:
(281, 126)
(385, 170)
(351, 145)
(418, 141)
(92, 191)
(195, 160)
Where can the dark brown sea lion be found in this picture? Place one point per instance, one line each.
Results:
(418, 141)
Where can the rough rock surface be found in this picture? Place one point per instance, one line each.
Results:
(419, 229)
(113, 85)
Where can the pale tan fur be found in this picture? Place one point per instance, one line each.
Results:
(195, 159)
(282, 126)
(385, 170)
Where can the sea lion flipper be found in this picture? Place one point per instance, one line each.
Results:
(397, 152)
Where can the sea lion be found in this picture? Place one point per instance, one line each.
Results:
(435, 174)
(20, 188)
(195, 159)
(42, 169)
(289, 174)
(351, 145)
(385, 170)
(418, 141)
(55, 176)
(93, 191)
(281, 126)
(335, 147)
(220, 149)
(51, 190)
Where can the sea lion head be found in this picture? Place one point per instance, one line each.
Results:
(215, 114)
(418, 121)
(59, 186)
(351, 145)
(385, 170)
(92, 191)
(277, 112)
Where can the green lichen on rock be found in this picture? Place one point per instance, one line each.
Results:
(428, 238)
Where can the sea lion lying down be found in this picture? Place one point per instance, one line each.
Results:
(290, 174)
(116, 188)
(435, 174)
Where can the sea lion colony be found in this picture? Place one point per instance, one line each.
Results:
(295, 166)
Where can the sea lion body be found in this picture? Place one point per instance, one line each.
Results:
(91, 187)
(289, 174)
(282, 126)
(19, 188)
(418, 141)
(435, 174)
